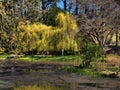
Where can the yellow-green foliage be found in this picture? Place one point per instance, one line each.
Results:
(35, 36)
(67, 23)
(40, 37)
(69, 29)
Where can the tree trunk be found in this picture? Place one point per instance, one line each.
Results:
(76, 8)
(62, 52)
(65, 4)
(43, 5)
(117, 37)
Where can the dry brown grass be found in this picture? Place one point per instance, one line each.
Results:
(113, 60)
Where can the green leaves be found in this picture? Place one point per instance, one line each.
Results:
(91, 52)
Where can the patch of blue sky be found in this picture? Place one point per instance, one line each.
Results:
(60, 4)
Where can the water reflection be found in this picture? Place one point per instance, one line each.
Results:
(37, 87)
(54, 80)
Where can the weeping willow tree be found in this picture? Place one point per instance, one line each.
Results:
(27, 36)
(45, 33)
(35, 36)
(40, 37)
(69, 29)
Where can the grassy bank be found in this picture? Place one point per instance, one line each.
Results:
(96, 68)
(92, 72)
(74, 60)
(86, 71)
(109, 67)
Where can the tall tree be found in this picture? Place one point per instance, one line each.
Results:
(51, 17)
(45, 6)
(69, 29)
(97, 20)
(8, 26)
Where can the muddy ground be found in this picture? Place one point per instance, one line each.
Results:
(24, 73)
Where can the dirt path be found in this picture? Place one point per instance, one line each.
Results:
(37, 73)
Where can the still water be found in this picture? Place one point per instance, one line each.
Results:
(54, 80)
(37, 87)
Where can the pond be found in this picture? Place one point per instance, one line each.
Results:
(38, 87)
(34, 80)
(54, 79)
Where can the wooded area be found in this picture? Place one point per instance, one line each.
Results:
(45, 27)
(59, 44)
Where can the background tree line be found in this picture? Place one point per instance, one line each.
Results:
(61, 26)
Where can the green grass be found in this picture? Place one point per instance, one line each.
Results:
(71, 59)
(52, 58)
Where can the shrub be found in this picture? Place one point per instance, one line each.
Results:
(91, 52)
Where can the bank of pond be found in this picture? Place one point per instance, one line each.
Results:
(57, 73)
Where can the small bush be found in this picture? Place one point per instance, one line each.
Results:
(91, 52)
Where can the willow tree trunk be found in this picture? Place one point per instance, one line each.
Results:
(62, 52)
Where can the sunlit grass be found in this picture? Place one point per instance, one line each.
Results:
(71, 59)
(53, 58)
(74, 60)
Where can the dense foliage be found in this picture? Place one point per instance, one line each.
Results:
(37, 37)
(91, 52)
(36, 27)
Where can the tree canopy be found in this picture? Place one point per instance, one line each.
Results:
(35, 26)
